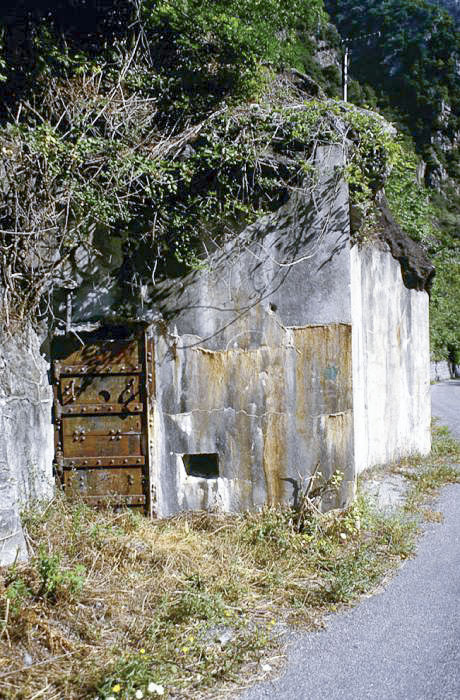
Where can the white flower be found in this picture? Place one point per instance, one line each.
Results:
(139, 694)
(111, 697)
(154, 688)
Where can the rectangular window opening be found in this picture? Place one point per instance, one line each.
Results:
(205, 466)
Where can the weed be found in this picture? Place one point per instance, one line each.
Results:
(273, 525)
(432, 516)
(53, 578)
(444, 444)
(18, 593)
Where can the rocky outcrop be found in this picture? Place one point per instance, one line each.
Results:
(416, 268)
(26, 436)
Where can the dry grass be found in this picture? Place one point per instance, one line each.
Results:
(112, 604)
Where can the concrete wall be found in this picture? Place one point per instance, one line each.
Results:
(254, 363)
(440, 371)
(26, 436)
(391, 378)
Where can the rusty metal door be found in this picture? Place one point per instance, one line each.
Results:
(100, 414)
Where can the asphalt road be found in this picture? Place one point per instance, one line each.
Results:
(445, 404)
(400, 644)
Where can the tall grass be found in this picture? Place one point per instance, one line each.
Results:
(114, 605)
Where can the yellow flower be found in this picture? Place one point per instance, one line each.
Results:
(191, 638)
(116, 688)
(141, 651)
(185, 650)
(228, 613)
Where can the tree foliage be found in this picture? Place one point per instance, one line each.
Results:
(411, 62)
(410, 59)
(189, 53)
(445, 310)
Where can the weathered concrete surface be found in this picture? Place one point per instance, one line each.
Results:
(391, 380)
(92, 281)
(271, 414)
(302, 247)
(26, 436)
(255, 362)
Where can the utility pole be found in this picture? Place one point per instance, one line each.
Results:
(346, 60)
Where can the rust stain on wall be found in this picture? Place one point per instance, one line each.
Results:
(274, 457)
(323, 370)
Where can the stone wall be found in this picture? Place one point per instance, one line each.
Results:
(440, 371)
(391, 379)
(26, 436)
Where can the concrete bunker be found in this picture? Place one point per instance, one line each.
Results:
(293, 353)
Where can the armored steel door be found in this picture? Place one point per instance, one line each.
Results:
(100, 414)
